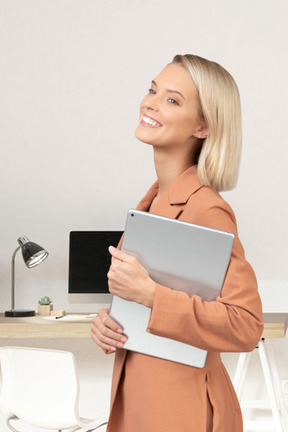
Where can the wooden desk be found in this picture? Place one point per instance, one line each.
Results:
(72, 326)
(275, 325)
(76, 326)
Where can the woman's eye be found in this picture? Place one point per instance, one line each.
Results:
(151, 91)
(173, 101)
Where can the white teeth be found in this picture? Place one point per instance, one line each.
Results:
(147, 120)
(150, 121)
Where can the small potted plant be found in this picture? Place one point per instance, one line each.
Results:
(45, 306)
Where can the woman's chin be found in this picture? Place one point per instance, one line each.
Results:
(141, 135)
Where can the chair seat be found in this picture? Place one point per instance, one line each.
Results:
(41, 388)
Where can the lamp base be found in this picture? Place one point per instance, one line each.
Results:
(19, 313)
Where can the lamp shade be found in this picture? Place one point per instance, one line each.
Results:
(32, 253)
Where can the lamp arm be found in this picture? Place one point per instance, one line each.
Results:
(13, 278)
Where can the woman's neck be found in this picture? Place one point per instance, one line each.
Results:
(169, 167)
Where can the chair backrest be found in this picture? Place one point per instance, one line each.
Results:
(40, 386)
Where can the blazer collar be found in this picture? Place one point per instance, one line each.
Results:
(172, 203)
(184, 186)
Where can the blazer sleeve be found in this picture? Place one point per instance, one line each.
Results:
(231, 323)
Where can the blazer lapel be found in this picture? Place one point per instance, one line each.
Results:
(173, 201)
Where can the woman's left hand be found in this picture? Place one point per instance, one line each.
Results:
(129, 279)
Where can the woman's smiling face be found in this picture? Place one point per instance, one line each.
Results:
(169, 112)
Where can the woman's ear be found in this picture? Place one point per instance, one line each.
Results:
(202, 132)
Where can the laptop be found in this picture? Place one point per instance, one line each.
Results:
(181, 256)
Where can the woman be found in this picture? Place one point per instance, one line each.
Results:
(191, 116)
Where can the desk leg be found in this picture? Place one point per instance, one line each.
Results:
(273, 385)
(276, 380)
(270, 388)
(241, 372)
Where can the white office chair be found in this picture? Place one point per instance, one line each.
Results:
(41, 387)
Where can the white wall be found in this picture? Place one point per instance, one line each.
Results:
(72, 74)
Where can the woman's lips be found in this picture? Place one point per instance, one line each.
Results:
(150, 122)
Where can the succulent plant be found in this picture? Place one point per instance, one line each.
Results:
(45, 301)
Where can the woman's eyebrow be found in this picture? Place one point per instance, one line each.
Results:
(170, 90)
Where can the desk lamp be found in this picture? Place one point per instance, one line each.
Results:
(33, 255)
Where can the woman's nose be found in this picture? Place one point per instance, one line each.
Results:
(151, 102)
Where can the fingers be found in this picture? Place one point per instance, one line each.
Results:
(106, 332)
(119, 254)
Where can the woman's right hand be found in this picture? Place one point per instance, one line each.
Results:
(106, 332)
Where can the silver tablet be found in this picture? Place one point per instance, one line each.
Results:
(181, 256)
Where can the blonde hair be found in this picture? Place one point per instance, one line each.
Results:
(219, 158)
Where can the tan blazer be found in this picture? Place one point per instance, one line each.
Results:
(171, 397)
